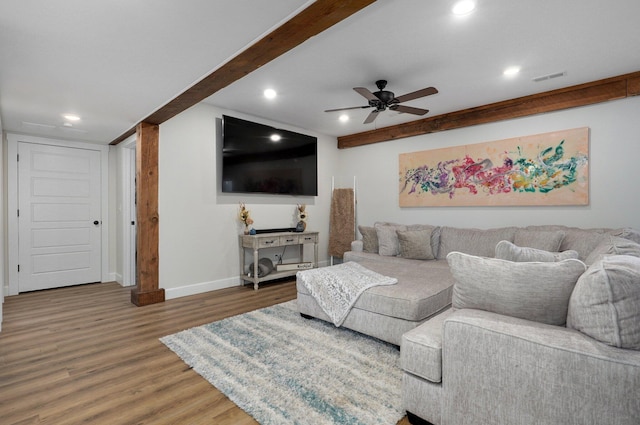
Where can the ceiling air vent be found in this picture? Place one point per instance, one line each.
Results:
(550, 76)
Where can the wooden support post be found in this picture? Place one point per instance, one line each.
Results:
(147, 276)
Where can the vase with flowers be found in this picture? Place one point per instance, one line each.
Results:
(302, 218)
(245, 217)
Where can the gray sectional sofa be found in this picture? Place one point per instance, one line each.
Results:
(515, 325)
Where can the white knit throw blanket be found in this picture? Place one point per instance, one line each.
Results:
(337, 288)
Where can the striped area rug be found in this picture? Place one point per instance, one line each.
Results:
(283, 369)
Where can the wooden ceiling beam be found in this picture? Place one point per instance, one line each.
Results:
(570, 97)
(319, 16)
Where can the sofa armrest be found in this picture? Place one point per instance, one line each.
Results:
(357, 246)
(499, 369)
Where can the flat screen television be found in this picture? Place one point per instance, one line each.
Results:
(257, 158)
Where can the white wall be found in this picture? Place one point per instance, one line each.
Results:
(199, 228)
(614, 172)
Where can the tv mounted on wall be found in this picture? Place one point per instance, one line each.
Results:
(257, 158)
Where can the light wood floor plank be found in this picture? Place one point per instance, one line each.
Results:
(86, 355)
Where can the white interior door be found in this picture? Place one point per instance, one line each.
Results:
(59, 204)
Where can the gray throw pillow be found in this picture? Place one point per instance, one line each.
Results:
(605, 303)
(506, 250)
(548, 240)
(388, 244)
(369, 239)
(415, 244)
(534, 291)
(435, 235)
(613, 245)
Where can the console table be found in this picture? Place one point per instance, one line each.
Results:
(271, 240)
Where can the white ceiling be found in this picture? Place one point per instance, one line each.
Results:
(115, 62)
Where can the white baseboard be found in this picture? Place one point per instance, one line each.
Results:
(199, 288)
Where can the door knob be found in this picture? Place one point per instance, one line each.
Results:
(96, 222)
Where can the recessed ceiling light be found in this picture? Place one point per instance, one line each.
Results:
(463, 7)
(512, 70)
(275, 137)
(71, 117)
(270, 93)
(344, 118)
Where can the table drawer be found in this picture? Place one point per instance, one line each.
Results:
(308, 238)
(268, 242)
(289, 240)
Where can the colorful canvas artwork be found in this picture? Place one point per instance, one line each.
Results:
(543, 169)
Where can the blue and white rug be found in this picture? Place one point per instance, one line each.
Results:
(283, 369)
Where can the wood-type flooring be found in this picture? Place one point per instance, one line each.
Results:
(86, 355)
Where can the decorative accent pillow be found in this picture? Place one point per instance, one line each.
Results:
(532, 291)
(369, 239)
(435, 235)
(388, 239)
(415, 244)
(505, 250)
(540, 239)
(605, 303)
(613, 245)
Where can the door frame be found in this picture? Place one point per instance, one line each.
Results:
(12, 201)
(127, 238)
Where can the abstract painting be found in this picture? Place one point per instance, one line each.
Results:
(542, 169)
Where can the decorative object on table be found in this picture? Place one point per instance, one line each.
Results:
(543, 169)
(281, 368)
(302, 218)
(245, 217)
(265, 266)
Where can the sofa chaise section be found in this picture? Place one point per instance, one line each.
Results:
(386, 312)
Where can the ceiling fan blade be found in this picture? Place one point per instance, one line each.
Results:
(409, 109)
(345, 109)
(416, 94)
(366, 93)
(371, 117)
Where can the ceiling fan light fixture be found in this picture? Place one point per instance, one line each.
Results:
(463, 7)
(383, 99)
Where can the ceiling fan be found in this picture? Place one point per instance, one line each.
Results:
(383, 99)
